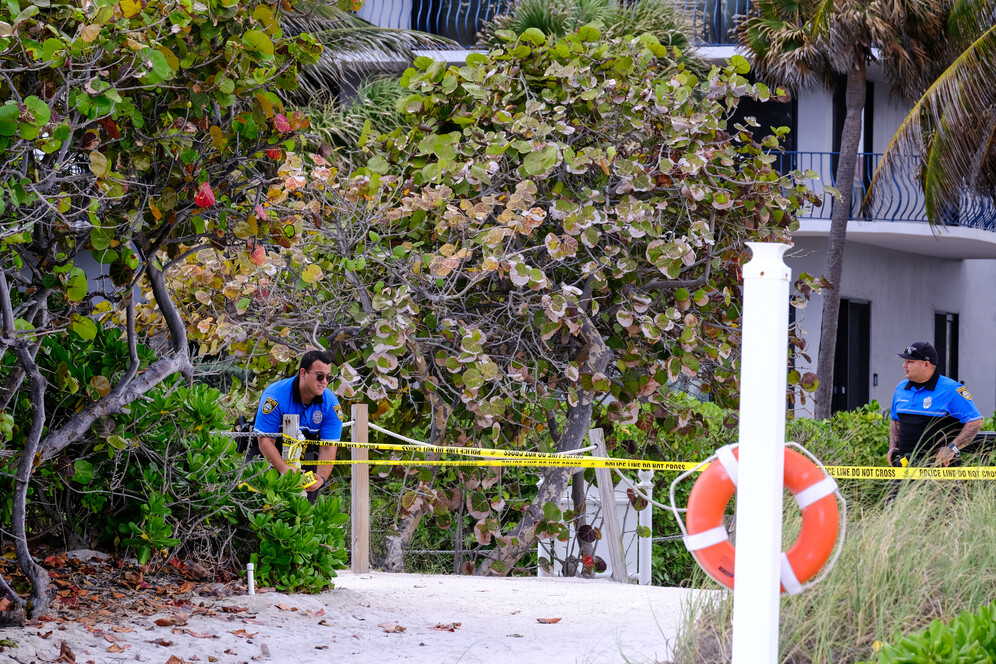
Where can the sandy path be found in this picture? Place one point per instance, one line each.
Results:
(600, 622)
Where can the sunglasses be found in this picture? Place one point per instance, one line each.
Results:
(320, 377)
(910, 350)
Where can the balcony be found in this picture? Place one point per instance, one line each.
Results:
(897, 219)
(710, 21)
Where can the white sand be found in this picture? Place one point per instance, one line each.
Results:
(600, 622)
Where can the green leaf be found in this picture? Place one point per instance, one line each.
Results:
(8, 119)
(552, 512)
(84, 327)
(538, 163)
(258, 42)
(76, 289)
(83, 471)
(740, 64)
(160, 70)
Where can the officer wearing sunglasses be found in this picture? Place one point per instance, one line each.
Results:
(319, 413)
(933, 416)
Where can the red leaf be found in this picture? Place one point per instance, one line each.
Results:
(204, 197)
(549, 621)
(281, 123)
(275, 154)
(258, 255)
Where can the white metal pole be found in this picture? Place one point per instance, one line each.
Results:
(761, 457)
(645, 558)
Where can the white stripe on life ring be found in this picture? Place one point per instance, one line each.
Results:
(788, 578)
(729, 462)
(706, 538)
(811, 494)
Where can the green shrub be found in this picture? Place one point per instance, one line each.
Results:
(968, 639)
(300, 545)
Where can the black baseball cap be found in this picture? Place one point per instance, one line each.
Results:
(920, 350)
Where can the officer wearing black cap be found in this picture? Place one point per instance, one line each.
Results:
(933, 416)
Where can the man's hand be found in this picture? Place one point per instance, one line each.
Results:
(946, 456)
(895, 457)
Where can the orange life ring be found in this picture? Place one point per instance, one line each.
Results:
(709, 542)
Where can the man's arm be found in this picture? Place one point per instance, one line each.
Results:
(268, 448)
(966, 436)
(893, 439)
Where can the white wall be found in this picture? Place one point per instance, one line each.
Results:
(905, 290)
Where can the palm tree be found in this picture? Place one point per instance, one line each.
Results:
(952, 127)
(617, 18)
(339, 125)
(803, 43)
(351, 44)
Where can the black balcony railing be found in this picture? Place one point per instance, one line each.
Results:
(900, 199)
(711, 21)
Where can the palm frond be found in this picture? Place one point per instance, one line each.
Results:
(351, 44)
(339, 125)
(944, 128)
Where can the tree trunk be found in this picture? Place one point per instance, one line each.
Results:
(523, 537)
(849, 141)
(441, 411)
(581, 519)
(38, 603)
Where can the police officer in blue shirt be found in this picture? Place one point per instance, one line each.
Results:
(320, 415)
(933, 416)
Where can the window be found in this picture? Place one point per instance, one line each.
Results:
(946, 343)
(852, 359)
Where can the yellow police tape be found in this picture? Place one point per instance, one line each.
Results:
(511, 458)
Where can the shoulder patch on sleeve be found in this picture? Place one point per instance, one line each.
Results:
(269, 405)
(963, 391)
(338, 413)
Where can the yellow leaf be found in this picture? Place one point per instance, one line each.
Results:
(155, 211)
(130, 8)
(311, 274)
(171, 59)
(101, 384)
(90, 32)
(217, 137)
(265, 105)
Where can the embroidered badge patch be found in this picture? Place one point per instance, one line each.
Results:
(963, 391)
(927, 401)
(317, 418)
(338, 412)
(269, 405)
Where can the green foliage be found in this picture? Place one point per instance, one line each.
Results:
(345, 126)
(968, 639)
(927, 556)
(300, 545)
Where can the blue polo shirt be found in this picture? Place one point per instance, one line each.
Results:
(320, 420)
(931, 414)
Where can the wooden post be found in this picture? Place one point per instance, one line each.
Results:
(290, 450)
(610, 514)
(360, 512)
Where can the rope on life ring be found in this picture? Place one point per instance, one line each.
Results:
(814, 491)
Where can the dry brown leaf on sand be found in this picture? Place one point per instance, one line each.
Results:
(548, 621)
(446, 627)
(391, 628)
(117, 647)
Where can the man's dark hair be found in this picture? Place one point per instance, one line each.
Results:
(313, 356)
